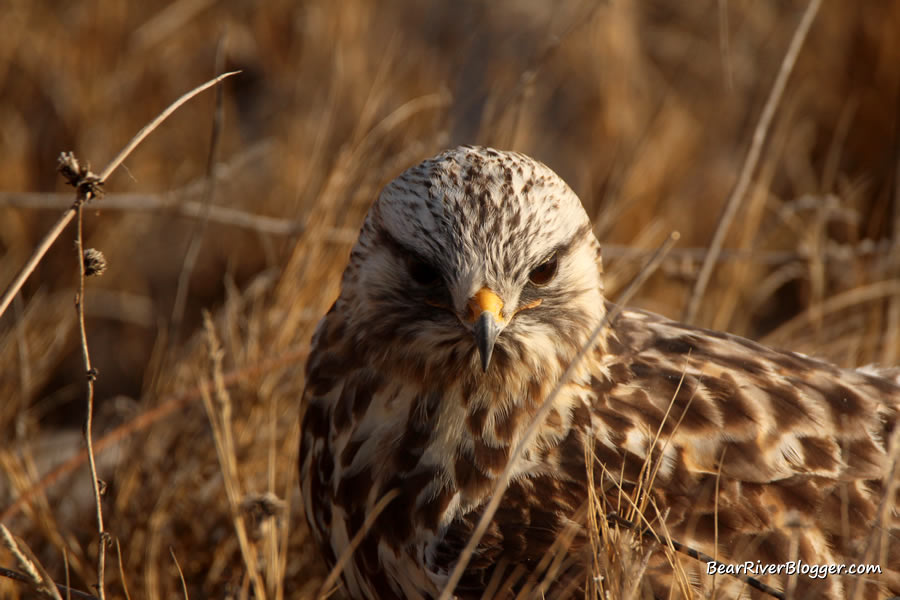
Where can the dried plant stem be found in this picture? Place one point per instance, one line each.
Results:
(876, 548)
(174, 203)
(91, 376)
(69, 591)
(149, 127)
(889, 354)
(325, 590)
(180, 573)
(666, 540)
(530, 433)
(166, 407)
(68, 577)
(35, 258)
(88, 186)
(219, 415)
(196, 244)
(34, 572)
(759, 138)
(122, 571)
(843, 301)
(69, 214)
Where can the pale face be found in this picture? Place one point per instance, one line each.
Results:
(476, 256)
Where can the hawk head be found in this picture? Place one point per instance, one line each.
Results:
(476, 259)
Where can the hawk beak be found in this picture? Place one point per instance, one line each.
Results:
(484, 312)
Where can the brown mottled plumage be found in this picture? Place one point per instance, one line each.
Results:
(475, 281)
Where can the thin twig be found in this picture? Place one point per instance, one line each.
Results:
(209, 192)
(68, 575)
(881, 527)
(70, 592)
(220, 420)
(69, 214)
(849, 299)
(759, 139)
(649, 534)
(89, 186)
(530, 433)
(91, 377)
(716, 517)
(35, 258)
(122, 570)
(166, 407)
(324, 590)
(515, 101)
(642, 495)
(24, 366)
(34, 572)
(173, 203)
(149, 127)
(889, 354)
(180, 573)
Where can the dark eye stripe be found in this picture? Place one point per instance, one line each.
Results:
(421, 271)
(384, 238)
(582, 232)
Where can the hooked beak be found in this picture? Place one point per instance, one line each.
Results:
(484, 312)
(486, 332)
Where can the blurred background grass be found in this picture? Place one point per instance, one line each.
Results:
(645, 107)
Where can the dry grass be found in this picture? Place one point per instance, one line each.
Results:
(646, 108)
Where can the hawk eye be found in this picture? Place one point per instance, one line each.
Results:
(422, 272)
(544, 272)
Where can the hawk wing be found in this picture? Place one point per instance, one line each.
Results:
(774, 455)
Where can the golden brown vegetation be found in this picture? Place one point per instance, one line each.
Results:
(645, 107)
